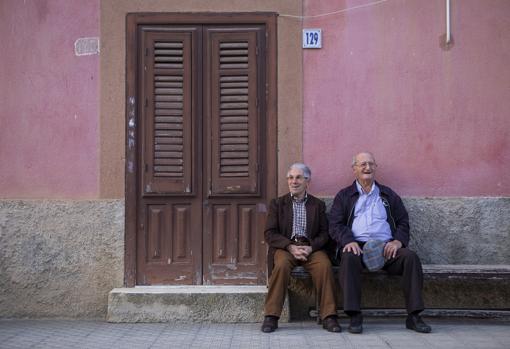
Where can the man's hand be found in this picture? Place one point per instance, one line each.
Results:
(306, 249)
(353, 247)
(299, 252)
(391, 248)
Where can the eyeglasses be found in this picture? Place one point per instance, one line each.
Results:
(366, 164)
(297, 178)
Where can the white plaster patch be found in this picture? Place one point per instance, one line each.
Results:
(131, 167)
(86, 46)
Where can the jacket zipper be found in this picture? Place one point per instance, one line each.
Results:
(387, 204)
(349, 223)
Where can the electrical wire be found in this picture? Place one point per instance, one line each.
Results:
(335, 12)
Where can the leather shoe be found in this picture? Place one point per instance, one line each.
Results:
(356, 323)
(415, 322)
(270, 324)
(331, 324)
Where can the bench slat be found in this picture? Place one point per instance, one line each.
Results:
(436, 271)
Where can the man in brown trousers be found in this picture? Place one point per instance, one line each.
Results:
(296, 232)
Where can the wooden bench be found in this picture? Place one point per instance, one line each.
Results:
(434, 273)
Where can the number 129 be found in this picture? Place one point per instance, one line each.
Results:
(312, 39)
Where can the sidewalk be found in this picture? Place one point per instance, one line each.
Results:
(378, 333)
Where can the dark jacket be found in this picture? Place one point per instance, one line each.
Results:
(278, 229)
(341, 215)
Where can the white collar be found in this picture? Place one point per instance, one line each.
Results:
(361, 191)
(297, 200)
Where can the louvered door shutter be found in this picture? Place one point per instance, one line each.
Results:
(168, 114)
(234, 113)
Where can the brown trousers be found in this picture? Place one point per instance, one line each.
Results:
(319, 267)
(406, 263)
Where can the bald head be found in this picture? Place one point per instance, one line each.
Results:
(362, 154)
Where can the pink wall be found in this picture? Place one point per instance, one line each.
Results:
(438, 121)
(49, 100)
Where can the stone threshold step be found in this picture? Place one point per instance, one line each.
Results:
(188, 304)
(192, 289)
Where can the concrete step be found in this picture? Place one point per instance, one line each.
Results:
(188, 304)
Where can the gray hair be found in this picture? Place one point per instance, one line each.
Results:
(363, 152)
(307, 173)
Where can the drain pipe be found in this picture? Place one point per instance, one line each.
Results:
(448, 34)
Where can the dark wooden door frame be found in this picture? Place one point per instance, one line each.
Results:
(133, 20)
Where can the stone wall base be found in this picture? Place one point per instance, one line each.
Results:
(61, 258)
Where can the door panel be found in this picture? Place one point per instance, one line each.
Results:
(247, 236)
(167, 253)
(221, 234)
(169, 240)
(181, 218)
(233, 112)
(168, 141)
(155, 228)
(234, 233)
(235, 150)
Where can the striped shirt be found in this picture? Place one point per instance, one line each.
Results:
(299, 217)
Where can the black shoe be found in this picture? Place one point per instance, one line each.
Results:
(270, 324)
(415, 322)
(331, 324)
(356, 323)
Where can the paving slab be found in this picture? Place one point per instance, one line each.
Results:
(378, 333)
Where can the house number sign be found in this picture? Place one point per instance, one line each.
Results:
(312, 38)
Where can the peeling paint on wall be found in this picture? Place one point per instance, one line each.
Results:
(131, 131)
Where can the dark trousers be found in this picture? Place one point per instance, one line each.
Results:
(406, 263)
(319, 267)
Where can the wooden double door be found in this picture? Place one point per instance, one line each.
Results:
(203, 151)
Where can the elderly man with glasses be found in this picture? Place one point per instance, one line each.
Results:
(368, 213)
(297, 232)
